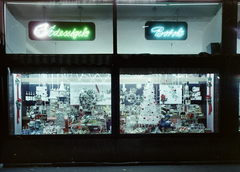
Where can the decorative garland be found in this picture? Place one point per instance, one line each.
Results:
(208, 97)
(18, 101)
(18, 80)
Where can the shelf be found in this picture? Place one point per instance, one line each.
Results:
(199, 117)
(48, 118)
(25, 118)
(54, 118)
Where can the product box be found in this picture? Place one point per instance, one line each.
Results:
(183, 116)
(207, 130)
(190, 115)
(168, 129)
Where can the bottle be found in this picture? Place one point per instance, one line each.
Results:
(30, 96)
(27, 111)
(27, 131)
(186, 90)
(33, 96)
(26, 96)
(23, 131)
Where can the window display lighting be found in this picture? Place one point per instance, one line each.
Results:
(62, 104)
(169, 103)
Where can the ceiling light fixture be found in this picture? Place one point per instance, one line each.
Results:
(145, 4)
(56, 3)
(194, 4)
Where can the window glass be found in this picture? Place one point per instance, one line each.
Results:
(168, 103)
(60, 103)
(90, 31)
(168, 28)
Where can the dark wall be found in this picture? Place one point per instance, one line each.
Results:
(36, 150)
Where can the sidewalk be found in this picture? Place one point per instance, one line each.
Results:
(140, 168)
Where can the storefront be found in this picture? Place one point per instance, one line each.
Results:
(119, 81)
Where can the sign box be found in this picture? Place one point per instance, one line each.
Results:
(61, 31)
(157, 30)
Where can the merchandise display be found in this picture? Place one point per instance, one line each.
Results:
(167, 103)
(62, 103)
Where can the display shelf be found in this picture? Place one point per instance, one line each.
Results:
(28, 102)
(25, 118)
(175, 116)
(54, 118)
(33, 101)
(87, 125)
(48, 118)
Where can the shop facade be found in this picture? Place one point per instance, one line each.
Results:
(119, 82)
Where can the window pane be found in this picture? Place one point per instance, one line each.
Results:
(62, 41)
(201, 27)
(60, 103)
(168, 103)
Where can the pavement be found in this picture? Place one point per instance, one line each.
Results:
(132, 168)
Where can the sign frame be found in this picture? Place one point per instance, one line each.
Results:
(61, 31)
(166, 30)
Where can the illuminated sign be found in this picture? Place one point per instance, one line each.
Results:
(61, 31)
(165, 30)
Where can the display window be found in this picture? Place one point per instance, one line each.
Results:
(59, 27)
(169, 103)
(59, 103)
(168, 27)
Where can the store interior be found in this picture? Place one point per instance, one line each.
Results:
(61, 103)
(167, 103)
(81, 103)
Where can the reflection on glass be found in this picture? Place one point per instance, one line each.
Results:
(179, 103)
(61, 103)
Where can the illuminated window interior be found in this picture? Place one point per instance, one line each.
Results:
(167, 103)
(60, 104)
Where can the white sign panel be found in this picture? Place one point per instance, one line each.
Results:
(172, 93)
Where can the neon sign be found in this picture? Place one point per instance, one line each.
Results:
(61, 31)
(166, 30)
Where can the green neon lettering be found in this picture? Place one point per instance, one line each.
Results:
(61, 33)
(56, 32)
(52, 32)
